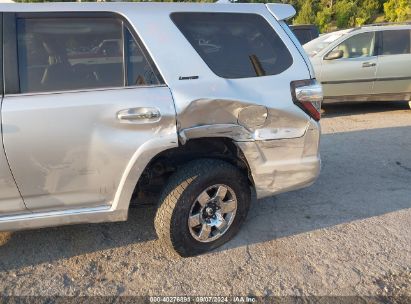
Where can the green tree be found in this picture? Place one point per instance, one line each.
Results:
(324, 18)
(306, 15)
(397, 10)
(296, 3)
(367, 11)
(345, 11)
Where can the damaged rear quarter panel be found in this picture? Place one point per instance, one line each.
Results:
(282, 153)
(216, 114)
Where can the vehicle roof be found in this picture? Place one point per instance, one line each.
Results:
(303, 26)
(119, 6)
(382, 27)
(339, 33)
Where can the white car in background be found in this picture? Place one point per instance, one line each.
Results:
(369, 63)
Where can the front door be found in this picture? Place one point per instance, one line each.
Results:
(354, 73)
(85, 100)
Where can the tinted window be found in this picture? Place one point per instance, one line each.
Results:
(235, 45)
(361, 45)
(396, 42)
(76, 53)
(139, 71)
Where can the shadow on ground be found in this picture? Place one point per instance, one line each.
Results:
(364, 174)
(357, 108)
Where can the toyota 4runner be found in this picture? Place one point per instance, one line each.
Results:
(193, 106)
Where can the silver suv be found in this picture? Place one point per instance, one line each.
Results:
(191, 106)
(370, 63)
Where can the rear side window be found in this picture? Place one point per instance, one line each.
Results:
(395, 42)
(235, 45)
(78, 53)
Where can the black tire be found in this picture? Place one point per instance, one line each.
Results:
(181, 191)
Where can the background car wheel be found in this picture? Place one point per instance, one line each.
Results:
(202, 207)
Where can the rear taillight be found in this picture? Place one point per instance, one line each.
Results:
(308, 95)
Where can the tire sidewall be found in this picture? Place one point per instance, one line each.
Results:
(181, 235)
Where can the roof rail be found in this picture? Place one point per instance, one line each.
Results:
(387, 23)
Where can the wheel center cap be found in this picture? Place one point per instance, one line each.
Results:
(209, 211)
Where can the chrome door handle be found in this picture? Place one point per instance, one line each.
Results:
(140, 115)
(368, 64)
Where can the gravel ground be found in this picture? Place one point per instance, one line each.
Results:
(348, 234)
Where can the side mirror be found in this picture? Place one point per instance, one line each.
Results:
(336, 54)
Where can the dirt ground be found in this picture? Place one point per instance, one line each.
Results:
(348, 234)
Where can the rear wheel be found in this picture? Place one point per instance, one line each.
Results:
(202, 207)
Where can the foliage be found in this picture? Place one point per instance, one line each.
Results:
(306, 14)
(367, 11)
(397, 10)
(324, 18)
(345, 11)
(332, 14)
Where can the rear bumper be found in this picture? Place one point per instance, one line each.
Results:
(283, 165)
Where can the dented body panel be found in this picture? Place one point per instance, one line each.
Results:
(285, 164)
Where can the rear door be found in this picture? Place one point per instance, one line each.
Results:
(82, 97)
(10, 199)
(394, 63)
(354, 73)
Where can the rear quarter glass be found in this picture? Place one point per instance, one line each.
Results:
(235, 45)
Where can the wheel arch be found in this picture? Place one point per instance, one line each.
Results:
(166, 162)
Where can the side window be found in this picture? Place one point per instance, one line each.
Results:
(139, 71)
(396, 42)
(361, 45)
(235, 45)
(57, 54)
(69, 53)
